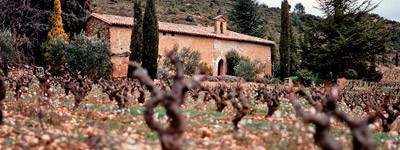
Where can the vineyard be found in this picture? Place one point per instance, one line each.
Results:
(41, 111)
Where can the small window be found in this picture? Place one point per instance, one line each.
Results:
(164, 33)
(172, 34)
(221, 27)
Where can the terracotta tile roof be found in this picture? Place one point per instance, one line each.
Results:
(184, 29)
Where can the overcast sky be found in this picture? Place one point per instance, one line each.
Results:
(389, 9)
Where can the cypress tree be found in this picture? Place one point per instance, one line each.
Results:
(245, 18)
(57, 29)
(150, 40)
(284, 41)
(136, 36)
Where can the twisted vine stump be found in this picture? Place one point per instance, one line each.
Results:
(241, 106)
(67, 84)
(358, 128)
(79, 88)
(22, 81)
(141, 99)
(113, 93)
(320, 120)
(218, 95)
(170, 136)
(392, 115)
(273, 102)
(43, 77)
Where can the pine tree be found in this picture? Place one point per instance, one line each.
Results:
(136, 36)
(150, 40)
(57, 30)
(245, 18)
(346, 39)
(284, 52)
(299, 9)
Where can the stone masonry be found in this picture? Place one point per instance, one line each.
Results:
(212, 42)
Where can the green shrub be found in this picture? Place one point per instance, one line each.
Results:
(307, 78)
(205, 69)
(55, 56)
(90, 55)
(267, 76)
(276, 81)
(295, 80)
(248, 70)
(232, 59)
(188, 58)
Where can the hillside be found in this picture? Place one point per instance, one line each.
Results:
(201, 12)
(176, 11)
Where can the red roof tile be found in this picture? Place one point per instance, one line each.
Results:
(184, 29)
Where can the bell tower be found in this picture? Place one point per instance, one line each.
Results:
(220, 24)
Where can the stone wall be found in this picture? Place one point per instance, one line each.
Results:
(212, 50)
(120, 39)
(94, 26)
(120, 68)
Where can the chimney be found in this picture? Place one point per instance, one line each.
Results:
(220, 24)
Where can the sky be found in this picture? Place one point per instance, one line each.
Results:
(389, 9)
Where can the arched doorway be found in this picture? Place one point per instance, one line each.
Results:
(221, 67)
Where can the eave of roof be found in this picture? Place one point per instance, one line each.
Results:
(184, 29)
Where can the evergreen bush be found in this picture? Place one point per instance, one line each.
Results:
(190, 60)
(90, 55)
(232, 59)
(248, 70)
(205, 69)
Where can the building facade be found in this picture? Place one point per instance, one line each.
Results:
(212, 42)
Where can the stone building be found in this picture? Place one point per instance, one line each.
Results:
(212, 42)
